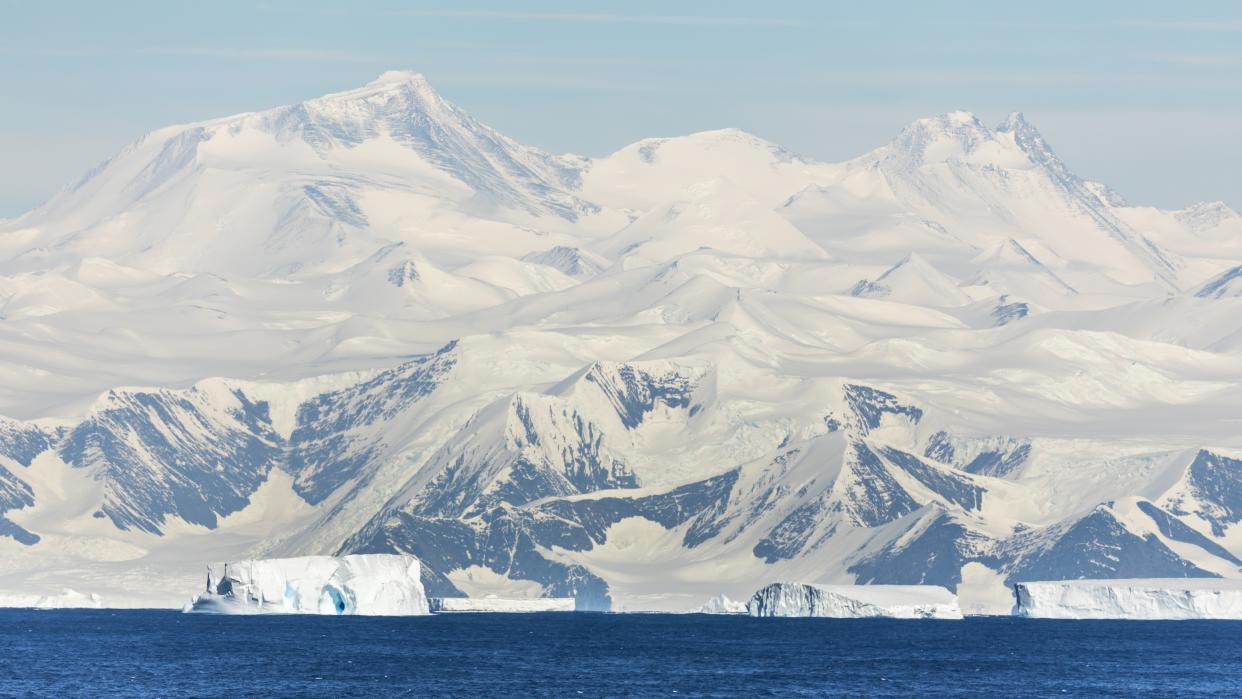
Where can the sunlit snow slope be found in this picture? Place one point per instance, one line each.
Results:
(368, 323)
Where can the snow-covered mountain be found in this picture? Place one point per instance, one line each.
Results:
(368, 323)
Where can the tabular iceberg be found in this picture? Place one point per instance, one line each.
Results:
(855, 601)
(1177, 598)
(67, 599)
(365, 585)
(492, 603)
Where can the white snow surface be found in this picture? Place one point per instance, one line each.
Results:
(721, 604)
(1144, 599)
(66, 599)
(362, 585)
(221, 345)
(491, 603)
(854, 601)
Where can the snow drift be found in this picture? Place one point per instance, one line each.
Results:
(363, 585)
(855, 601)
(1199, 598)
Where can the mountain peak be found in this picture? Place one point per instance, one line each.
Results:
(410, 87)
(1015, 121)
(950, 136)
(390, 77)
(1028, 138)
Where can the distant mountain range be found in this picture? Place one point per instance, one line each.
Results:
(370, 323)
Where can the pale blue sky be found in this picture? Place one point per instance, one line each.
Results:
(1145, 96)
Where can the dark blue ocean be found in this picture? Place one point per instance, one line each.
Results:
(166, 654)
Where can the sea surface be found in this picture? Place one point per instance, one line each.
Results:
(73, 653)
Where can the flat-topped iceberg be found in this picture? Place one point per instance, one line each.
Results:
(67, 599)
(492, 603)
(365, 585)
(855, 601)
(1154, 598)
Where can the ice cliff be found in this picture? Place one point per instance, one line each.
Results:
(365, 585)
(492, 603)
(1177, 598)
(855, 601)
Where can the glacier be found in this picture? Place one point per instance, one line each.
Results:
(362, 585)
(492, 603)
(1144, 599)
(785, 599)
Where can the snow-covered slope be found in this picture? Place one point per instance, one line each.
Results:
(368, 323)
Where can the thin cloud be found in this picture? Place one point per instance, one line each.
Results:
(1196, 60)
(256, 54)
(218, 52)
(1214, 25)
(606, 18)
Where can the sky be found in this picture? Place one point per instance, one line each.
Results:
(1145, 96)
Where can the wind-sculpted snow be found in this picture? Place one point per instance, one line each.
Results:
(373, 585)
(854, 601)
(1149, 599)
(195, 454)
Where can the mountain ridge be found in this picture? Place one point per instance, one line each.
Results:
(369, 323)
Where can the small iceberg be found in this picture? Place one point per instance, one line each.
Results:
(721, 604)
(854, 601)
(1151, 599)
(364, 585)
(492, 603)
